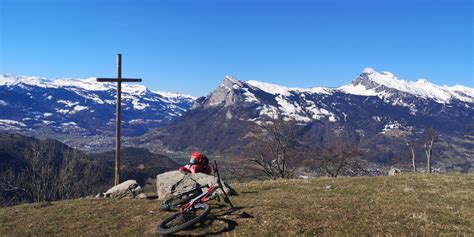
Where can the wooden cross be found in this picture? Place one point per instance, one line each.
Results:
(119, 81)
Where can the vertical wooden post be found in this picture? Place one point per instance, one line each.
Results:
(118, 120)
(118, 111)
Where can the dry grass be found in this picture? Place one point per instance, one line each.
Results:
(409, 204)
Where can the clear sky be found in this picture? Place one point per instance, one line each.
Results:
(189, 46)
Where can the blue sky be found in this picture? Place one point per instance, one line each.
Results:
(189, 46)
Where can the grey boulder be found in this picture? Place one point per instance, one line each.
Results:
(127, 189)
(175, 182)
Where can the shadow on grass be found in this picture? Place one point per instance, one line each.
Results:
(249, 192)
(230, 225)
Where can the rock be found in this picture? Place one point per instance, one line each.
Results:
(127, 189)
(141, 196)
(174, 182)
(394, 171)
(329, 187)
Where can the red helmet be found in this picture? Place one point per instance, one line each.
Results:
(196, 158)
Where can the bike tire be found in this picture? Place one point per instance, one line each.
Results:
(174, 201)
(164, 229)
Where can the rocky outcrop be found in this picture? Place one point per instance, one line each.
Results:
(174, 182)
(127, 189)
(225, 94)
(394, 171)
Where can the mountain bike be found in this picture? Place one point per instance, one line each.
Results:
(179, 199)
(193, 210)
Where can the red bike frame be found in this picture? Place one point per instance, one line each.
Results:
(205, 197)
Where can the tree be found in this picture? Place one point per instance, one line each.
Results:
(50, 171)
(275, 152)
(41, 170)
(410, 146)
(240, 169)
(340, 156)
(428, 141)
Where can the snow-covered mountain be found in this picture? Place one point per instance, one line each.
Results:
(387, 85)
(306, 105)
(83, 107)
(374, 108)
(377, 109)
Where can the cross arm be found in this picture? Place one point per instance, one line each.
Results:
(116, 80)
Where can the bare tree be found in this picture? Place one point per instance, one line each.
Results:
(410, 146)
(41, 170)
(428, 141)
(275, 153)
(50, 172)
(12, 188)
(240, 169)
(340, 156)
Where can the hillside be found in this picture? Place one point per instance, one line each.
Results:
(399, 205)
(34, 169)
(51, 165)
(137, 163)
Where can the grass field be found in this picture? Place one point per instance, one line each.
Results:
(408, 204)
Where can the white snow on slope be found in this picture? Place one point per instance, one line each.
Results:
(138, 105)
(421, 88)
(249, 97)
(292, 110)
(78, 108)
(68, 103)
(358, 90)
(286, 91)
(89, 84)
(270, 88)
(172, 95)
(12, 122)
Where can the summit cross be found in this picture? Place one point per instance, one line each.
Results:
(119, 81)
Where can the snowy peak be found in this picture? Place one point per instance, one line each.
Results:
(286, 91)
(83, 107)
(268, 100)
(226, 93)
(270, 88)
(230, 81)
(89, 84)
(232, 90)
(308, 104)
(386, 84)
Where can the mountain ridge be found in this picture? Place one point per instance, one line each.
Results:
(232, 104)
(382, 123)
(81, 112)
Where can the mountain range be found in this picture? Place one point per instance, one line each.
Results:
(377, 110)
(73, 109)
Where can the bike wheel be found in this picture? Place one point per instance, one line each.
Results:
(178, 221)
(174, 201)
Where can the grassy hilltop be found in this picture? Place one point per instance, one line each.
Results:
(399, 205)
